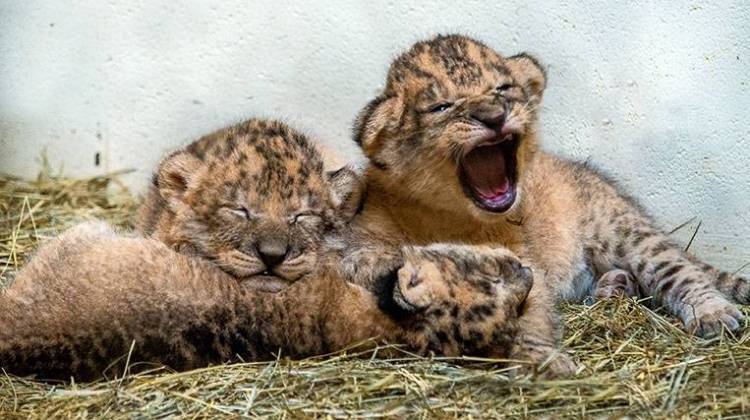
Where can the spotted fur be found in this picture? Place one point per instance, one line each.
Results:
(252, 198)
(440, 98)
(616, 283)
(92, 299)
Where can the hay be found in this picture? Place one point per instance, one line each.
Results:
(33, 211)
(634, 362)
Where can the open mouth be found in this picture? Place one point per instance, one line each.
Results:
(488, 173)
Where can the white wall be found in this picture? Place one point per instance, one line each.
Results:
(656, 94)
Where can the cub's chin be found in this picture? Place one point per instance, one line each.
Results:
(481, 215)
(265, 283)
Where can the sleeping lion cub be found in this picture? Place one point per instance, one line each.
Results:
(252, 198)
(90, 294)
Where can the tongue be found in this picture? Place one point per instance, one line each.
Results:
(485, 170)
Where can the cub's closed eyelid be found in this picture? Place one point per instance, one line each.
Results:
(242, 212)
(301, 217)
(503, 87)
(440, 107)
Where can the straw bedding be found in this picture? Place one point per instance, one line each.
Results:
(634, 362)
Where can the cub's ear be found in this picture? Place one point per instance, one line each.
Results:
(347, 191)
(529, 72)
(174, 174)
(377, 117)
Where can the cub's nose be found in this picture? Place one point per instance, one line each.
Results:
(272, 252)
(493, 120)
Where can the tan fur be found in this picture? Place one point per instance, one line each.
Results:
(441, 98)
(90, 294)
(252, 198)
(616, 283)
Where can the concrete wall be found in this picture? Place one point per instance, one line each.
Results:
(655, 92)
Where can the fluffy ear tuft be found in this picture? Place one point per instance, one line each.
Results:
(347, 191)
(174, 174)
(528, 71)
(376, 117)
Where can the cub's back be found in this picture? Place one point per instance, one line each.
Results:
(91, 263)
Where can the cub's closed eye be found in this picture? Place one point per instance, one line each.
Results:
(306, 218)
(242, 212)
(441, 107)
(504, 87)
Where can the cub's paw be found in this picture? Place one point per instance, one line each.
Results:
(714, 313)
(615, 283)
(418, 283)
(547, 362)
(371, 267)
(411, 293)
(558, 365)
(408, 285)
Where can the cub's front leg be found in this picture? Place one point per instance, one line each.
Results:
(621, 235)
(537, 343)
(366, 265)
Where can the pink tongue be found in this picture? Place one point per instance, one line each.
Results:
(485, 170)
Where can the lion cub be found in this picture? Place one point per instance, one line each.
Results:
(89, 295)
(252, 198)
(454, 156)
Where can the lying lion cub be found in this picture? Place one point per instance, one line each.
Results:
(89, 295)
(253, 198)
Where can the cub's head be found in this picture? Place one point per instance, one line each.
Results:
(463, 299)
(454, 126)
(254, 199)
